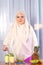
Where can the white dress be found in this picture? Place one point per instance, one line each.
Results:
(21, 40)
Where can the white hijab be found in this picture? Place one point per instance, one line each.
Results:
(20, 34)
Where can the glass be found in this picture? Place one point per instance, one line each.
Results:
(11, 59)
(6, 59)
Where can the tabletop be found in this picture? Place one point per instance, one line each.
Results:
(3, 63)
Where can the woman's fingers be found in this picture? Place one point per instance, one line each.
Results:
(4, 48)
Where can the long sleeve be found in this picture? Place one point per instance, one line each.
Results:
(34, 38)
(8, 37)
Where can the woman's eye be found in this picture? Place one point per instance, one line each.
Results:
(22, 16)
(18, 17)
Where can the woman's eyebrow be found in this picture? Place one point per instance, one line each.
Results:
(20, 16)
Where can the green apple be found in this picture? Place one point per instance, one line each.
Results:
(19, 60)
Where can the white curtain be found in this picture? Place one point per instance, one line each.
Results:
(34, 12)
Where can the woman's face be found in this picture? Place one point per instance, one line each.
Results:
(20, 18)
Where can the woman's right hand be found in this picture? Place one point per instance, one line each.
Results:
(4, 48)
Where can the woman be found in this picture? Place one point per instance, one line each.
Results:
(21, 38)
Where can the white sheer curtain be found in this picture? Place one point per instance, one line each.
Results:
(34, 12)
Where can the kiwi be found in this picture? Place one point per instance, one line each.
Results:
(11, 54)
(6, 55)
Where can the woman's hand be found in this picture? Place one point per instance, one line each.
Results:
(4, 48)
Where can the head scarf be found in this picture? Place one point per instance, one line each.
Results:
(20, 33)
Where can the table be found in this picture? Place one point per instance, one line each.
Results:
(2, 63)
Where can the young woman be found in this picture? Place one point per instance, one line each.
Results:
(21, 38)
